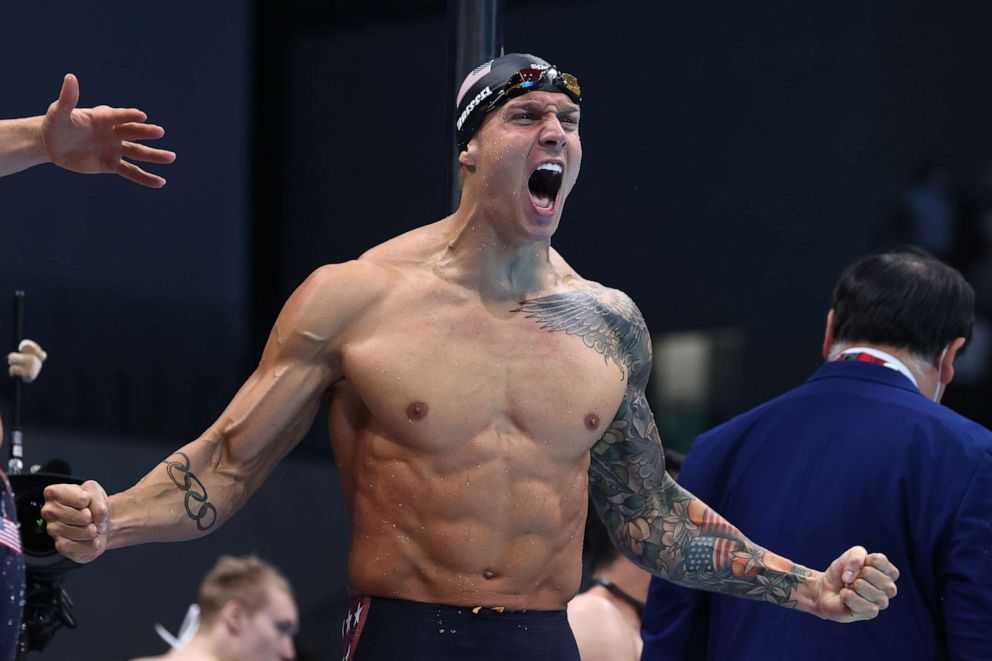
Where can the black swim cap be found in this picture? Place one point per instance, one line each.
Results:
(497, 81)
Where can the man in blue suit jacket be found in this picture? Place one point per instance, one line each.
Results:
(861, 451)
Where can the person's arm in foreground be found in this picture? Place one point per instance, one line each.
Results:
(665, 529)
(87, 140)
(197, 488)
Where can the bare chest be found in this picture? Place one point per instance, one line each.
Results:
(439, 376)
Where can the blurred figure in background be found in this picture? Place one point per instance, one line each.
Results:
(247, 611)
(606, 618)
(863, 450)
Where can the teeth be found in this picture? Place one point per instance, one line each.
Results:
(552, 167)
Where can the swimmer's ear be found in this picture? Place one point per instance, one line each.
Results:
(467, 157)
(233, 615)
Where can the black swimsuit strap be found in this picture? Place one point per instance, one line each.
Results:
(612, 587)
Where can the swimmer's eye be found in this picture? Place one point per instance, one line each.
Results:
(286, 628)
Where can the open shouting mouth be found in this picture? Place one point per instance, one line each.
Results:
(544, 184)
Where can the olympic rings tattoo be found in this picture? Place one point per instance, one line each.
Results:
(205, 514)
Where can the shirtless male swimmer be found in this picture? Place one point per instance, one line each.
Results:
(478, 389)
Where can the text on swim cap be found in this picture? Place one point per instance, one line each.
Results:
(471, 106)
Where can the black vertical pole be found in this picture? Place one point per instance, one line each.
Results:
(16, 462)
(476, 36)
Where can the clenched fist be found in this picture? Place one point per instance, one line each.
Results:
(78, 519)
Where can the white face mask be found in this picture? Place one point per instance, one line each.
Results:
(940, 368)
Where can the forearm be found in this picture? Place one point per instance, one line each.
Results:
(20, 144)
(678, 537)
(189, 494)
(671, 533)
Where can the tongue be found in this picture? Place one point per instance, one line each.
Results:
(542, 200)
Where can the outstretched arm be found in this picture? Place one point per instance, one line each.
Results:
(201, 485)
(86, 140)
(665, 529)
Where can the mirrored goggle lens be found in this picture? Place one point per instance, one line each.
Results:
(525, 78)
(571, 83)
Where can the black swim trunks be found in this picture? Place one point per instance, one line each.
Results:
(379, 629)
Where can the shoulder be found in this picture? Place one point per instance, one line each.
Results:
(600, 629)
(613, 299)
(623, 323)
(357, 278)
(331, 300)
(407, 250)
(181, 654)
(970, 431)
(606, 320)
(961, 442)
(342, 288)
(591, 609)
(605, 301)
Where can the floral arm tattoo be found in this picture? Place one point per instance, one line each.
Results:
(651, 519)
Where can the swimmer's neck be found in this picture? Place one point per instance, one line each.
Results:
(475, 252)
(202, 647)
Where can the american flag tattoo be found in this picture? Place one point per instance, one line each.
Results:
(713, 524)
(708, 554)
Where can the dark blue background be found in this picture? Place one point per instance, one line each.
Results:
(735, 158)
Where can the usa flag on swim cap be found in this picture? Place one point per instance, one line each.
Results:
(10, 536)
(472, 78)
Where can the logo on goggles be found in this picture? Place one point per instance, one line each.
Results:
(479, 98)
(537, 77)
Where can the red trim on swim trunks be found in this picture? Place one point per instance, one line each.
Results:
(354, 622)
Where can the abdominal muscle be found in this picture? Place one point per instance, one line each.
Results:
(494, 521)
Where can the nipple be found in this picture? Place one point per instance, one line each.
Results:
(416, 410)
(592, 421)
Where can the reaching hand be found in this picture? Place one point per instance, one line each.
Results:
(96, 140)
(78, 519)
(26, 361)
(856, 586)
